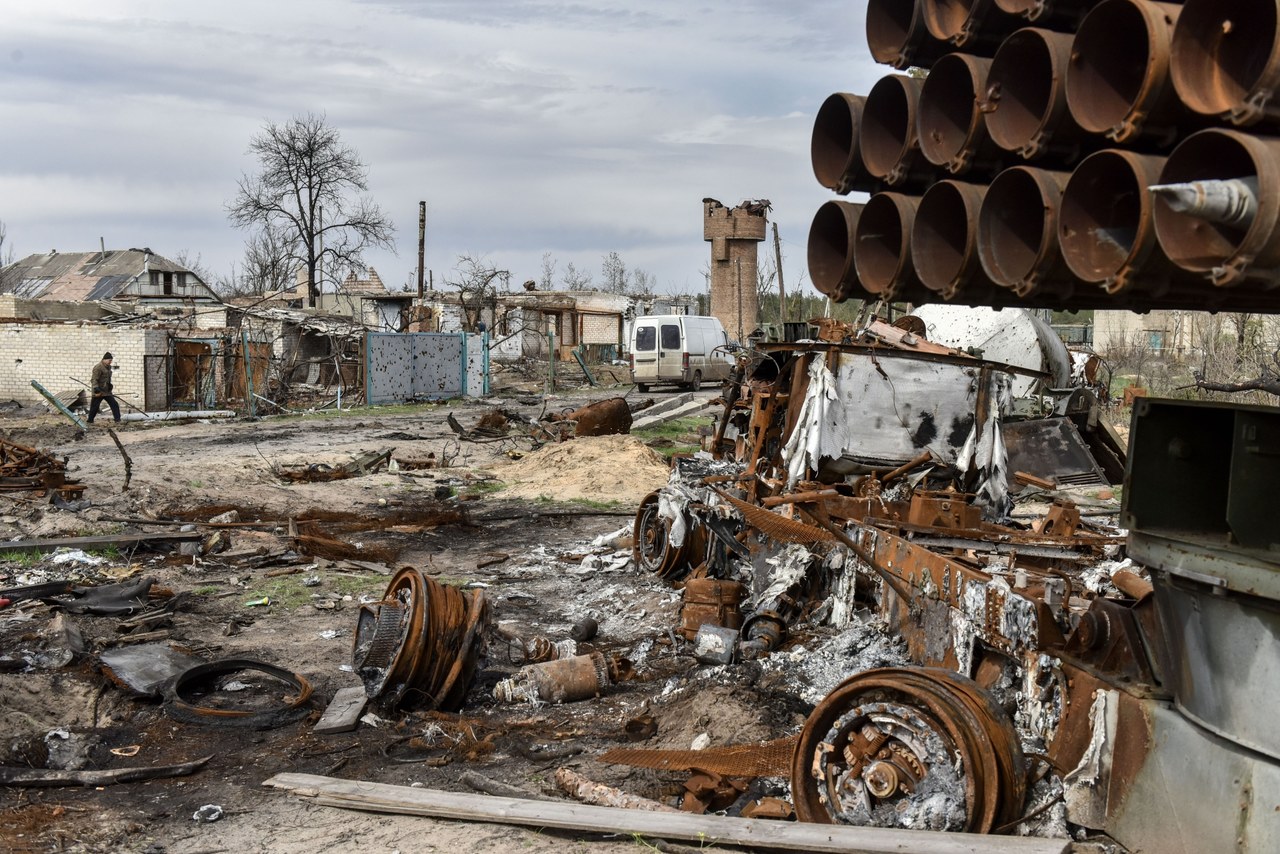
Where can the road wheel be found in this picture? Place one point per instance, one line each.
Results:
(643, 388)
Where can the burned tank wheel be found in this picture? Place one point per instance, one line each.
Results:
(909, 747)
(650, 534)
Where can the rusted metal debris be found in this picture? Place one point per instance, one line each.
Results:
(198, 696)
(24, 469)
(419, 647)
(812, 506)
(563, 680)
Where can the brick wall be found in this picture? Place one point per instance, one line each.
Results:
(53, 353)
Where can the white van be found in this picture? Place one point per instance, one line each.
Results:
(678, 348)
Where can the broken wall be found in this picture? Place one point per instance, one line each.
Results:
(53, 353)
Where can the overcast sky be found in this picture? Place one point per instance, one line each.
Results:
(528, 127)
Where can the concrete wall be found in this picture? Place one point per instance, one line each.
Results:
(52, 353)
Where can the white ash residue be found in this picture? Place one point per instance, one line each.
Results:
(1097, 578)
(1047, 809)
(864, 645)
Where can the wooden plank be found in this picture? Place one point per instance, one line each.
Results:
(120, 540)
(343, 713)
(704, 829)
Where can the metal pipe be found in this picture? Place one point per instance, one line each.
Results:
(944, 246)
(831, 242)
(1228, 254)
(897, 34)
(833, 147)
(1059, 14)
(1018, 232)
(1026, 97)
(1225, 59)
(887, 136)
(974, 26)
(882, 243)
(949, 124)
(1106, 229)
(1118, 81)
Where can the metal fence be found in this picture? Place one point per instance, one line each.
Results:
(403, 367)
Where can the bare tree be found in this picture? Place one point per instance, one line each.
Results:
(267, 269)
(547, 282)
(575, 279)
(476, 281)
(613, 273)
(306, 190)
(642, 281)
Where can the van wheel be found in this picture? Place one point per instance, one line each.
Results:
(643, 388)
(696, 382)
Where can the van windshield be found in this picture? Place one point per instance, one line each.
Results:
(670, 337)
(646, 339)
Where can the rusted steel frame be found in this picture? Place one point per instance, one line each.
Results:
(890, 477)
(798, 498)
(762, 425)
(730, 401)
(880, 350)
(994, 535)
(799, 368)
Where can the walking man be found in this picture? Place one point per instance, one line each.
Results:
(101, 384)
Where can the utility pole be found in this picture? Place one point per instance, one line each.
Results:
(422, 245)
(782, 291)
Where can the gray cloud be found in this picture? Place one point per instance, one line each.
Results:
(576, 128)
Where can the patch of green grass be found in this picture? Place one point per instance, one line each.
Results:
(23, 559)
(368, 411)
(682, 428)
(207, 590)
(288, 591)
(482, 488)
(587, 503)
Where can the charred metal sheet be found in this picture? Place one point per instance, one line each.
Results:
(1051, 448)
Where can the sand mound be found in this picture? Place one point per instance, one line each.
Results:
(594, 468)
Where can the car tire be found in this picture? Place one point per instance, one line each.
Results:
(696, 382)
(643, 388)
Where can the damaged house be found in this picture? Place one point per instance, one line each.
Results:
(59, 312)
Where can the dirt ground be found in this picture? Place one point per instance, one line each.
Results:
(533, 556)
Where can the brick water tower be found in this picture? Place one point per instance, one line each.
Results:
(733, 234)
